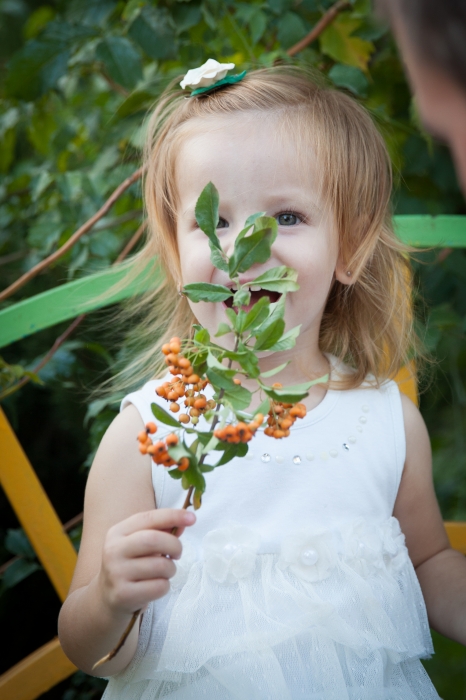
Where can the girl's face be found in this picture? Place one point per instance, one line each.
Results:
(256, 169)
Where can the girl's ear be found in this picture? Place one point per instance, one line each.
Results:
(343, 272)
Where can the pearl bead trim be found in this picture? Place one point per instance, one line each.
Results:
(323, 456)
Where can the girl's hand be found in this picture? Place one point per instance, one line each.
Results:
(137, 558)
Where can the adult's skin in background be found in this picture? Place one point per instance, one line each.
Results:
(432, 37)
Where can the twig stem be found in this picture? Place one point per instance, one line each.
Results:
(72, 327)
(87, 226)
(317, 30)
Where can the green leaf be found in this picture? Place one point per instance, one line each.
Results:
(186, 16)
(275, 370)
(204, 437)
(175, 473)
(235, 395)
(36, 68)
(276, 310)
(257, 25)
(180, 450)
(206, 213)
(241, 298)
(17, 543)
(163, 416)
(237, 400)
(223, 329)
(121, 60)
(233, 450)
(240, 317)
(257, 314)
(7, 149)
(291, 29)
(270, 335)
(264, 408)
(18, 571)
(197, 498)
(251, 220)
(251, 250)
(232, 317)
(203, 291)
(153, 30)
(249, 365)
(349, 77)
(218, 258)
(36, 22)
(201, 335)
(213, 363)
(193, 477)
(336, 41)
(296, 392)
(194, 445)
(278, 279)
(287, 341)
(222, 380)
(205, 468)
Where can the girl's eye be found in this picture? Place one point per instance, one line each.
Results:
(222, 223)
(288, 218)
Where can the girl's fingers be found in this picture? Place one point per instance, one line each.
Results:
(150, 542)
(158, 519)
(143, 591)
(149, 568)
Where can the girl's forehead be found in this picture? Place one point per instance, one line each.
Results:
(241, 127)
(249, 141)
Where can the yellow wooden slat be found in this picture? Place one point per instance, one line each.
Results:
(406, 380)
(35, 512)
(457, 535)
(37, 673)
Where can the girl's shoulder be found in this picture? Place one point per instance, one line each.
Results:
(341, 371)
(143, 399)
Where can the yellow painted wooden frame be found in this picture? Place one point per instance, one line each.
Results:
(48, 665)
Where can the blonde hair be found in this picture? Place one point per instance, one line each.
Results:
(368, 324)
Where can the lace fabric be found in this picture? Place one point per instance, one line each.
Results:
(329, 615)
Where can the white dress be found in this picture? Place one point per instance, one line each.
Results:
(295, 582)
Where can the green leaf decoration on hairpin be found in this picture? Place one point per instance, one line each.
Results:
(228, 80)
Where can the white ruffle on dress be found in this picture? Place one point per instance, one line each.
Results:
(295, 582)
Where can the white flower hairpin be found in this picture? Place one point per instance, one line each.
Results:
(210, 76)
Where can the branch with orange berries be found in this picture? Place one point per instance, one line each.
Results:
(255, 315)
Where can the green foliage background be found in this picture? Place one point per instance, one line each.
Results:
(76, 80)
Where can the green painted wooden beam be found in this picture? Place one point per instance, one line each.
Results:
(70, 300)
(92, 292)
(432, 231)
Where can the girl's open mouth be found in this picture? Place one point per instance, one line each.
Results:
(255, 296)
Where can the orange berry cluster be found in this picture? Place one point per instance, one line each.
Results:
(173, 391)
(159, 450)
(241, 432)
(281, 417)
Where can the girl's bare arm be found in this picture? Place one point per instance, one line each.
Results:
(121, 564)
(441, 570)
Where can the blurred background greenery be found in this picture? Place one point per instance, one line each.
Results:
(77, 78)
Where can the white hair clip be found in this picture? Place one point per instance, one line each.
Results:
(210, 76)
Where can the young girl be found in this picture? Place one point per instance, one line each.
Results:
(294, 580)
